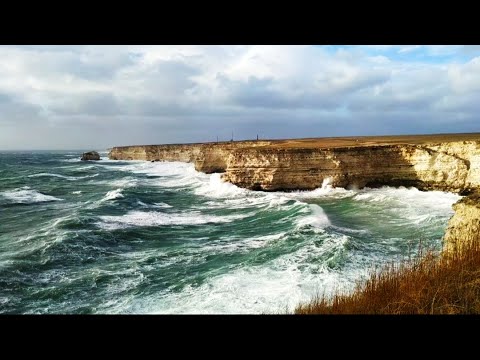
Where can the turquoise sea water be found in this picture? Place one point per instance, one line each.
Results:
(141, 237)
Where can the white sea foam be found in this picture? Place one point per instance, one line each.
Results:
(113, 194)
(234, 244)
(70, 178)
(160, 205)
(26, 195)
(76, 192)
(126, 182)
(155, 218)
(276, 286)
(411, 202)
(317, 218)
(409, 205)
(288, 279)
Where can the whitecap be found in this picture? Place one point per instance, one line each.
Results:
(276, 286)
(26, 195)
(70, 178)
(215, 187)
(160, 205)
(316, 218)
(409, 205)
(113, 194)
(242, 244)
(156, 218)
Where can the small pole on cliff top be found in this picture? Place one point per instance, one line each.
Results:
(232, 135)
(257, 137)
(217, 138)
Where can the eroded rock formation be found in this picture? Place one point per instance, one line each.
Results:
(423, 162)
(464, 226)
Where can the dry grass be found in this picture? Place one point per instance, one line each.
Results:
(359, 141)
(433, 284)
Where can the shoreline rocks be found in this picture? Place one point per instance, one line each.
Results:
(90, 155)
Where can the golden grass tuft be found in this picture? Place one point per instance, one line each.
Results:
(447, 283)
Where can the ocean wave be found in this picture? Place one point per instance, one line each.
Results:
(316, 218)
(412, 196)
(215, 187)
(234, 244)
(160, 205)
(126, 182)
(408, 206)
(275, 286)
(70, 178)
(113, 194)
(26, 195)
(155, 218)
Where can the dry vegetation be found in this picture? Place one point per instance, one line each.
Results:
(432, 284)
(333, 142)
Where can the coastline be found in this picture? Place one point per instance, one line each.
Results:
(446, 162)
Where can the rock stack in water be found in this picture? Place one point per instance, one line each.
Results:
(91, 155)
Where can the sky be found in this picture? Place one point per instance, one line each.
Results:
(96, 97)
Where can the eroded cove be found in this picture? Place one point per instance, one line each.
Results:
(132, 236)
(142, 237)
(446, 162)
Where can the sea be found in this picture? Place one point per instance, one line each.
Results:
(136, 237)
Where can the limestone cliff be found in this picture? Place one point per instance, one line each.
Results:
(434, 162)
(288, 169)
(208, 157)
(464, 226)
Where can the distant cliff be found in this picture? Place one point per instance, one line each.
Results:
(436, 162)
(208, 157)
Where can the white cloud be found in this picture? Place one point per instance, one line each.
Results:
(186, 93)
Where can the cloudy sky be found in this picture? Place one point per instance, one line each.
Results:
(95, 97)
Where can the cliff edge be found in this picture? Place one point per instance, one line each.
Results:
(447, 162)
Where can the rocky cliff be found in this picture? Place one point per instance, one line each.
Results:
(272, 169)
(464, 226)
(426, 162)
(208, 157)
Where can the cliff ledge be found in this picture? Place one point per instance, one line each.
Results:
(447, 162)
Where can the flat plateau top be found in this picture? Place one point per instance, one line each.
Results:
(336, 142)
(373, 140)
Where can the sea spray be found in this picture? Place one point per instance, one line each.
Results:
(142, 237)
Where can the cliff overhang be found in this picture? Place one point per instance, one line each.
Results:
(436, 162)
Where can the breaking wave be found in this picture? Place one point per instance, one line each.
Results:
(70, 178)
(26, 195)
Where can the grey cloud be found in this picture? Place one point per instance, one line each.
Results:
(16, 112)
(92, 103)
(87, 96)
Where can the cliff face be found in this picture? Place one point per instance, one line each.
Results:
(469, 151)
(268, 165)
(208, 158)
(395, 165)
(464, 226)
(258, 165)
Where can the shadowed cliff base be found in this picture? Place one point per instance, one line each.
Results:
(448, 283)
